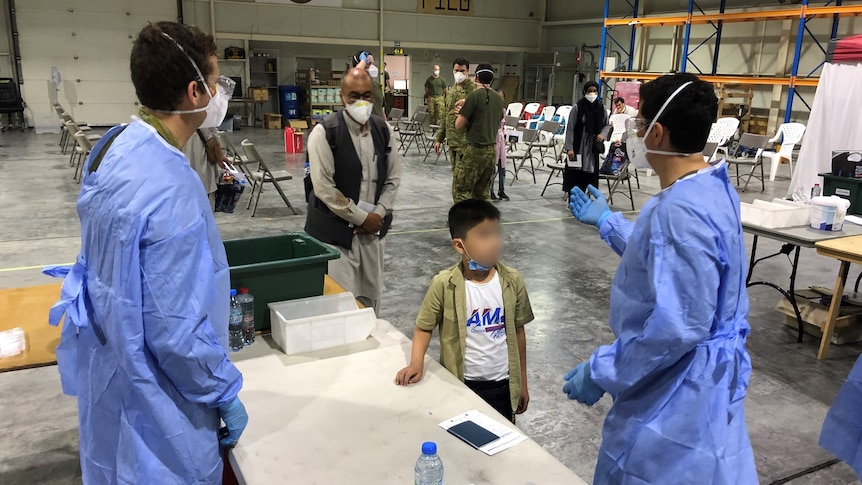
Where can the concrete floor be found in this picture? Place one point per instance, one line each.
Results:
(567, 269)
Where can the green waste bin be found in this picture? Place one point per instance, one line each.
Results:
(278, 268)
(846, 187)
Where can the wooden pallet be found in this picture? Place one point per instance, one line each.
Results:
(733, 99)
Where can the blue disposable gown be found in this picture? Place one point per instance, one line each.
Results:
(678, 370)
(842, 429)
(144, 344)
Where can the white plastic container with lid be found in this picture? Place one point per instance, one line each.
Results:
(320, 322)
(827, 213)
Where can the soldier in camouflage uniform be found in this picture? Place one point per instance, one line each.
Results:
(480, 114)
(435, 91)
(447, 132)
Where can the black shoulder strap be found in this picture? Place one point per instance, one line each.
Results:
(106, 144)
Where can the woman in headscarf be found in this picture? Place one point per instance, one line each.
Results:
(586, 132)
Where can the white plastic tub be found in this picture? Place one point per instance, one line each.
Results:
(774, 215)
(319, 322)
(827, 213)
(781, 215)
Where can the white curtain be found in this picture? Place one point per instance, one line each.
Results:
(835, 124)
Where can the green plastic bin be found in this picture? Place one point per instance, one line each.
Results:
(846, 187)
(278, 268)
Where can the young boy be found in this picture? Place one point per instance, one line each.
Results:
(480, 307)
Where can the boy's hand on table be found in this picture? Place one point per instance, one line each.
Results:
(524, 401)
(409, 375)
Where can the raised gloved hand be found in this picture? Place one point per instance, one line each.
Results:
(580, 386)
(235, 419)
(587, 210)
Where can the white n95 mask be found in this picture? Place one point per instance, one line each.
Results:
(373, 72)
(636, 148)
(459, 77)
(216, 110)
(360, 111)
(592, 97)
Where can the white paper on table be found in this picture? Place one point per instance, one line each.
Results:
(854, 219)
(507, 436)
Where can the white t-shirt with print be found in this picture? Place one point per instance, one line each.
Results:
(487, 355)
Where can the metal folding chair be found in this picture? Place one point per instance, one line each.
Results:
(520, 158)
(262, 176)
(615, 182)
(414, 132)
(750, 140)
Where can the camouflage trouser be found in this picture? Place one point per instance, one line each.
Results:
(436, 110)
(474, 169)
(454, 153)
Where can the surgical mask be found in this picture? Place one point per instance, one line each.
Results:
(373, 72)
(360, 111)
(459, 77)
(636, 148)
(592, 97)
(436, 72)
(217, 107)
(472, 263)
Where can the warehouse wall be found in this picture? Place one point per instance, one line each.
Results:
(502, 25)
(746, 48)
(5, 42)
(500, 32)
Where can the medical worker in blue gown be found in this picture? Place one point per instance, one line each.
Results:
(678, 369)
(144, 342)
(842, 429)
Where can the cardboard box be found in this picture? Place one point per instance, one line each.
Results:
(847, 327)
(272, 121)
(298, 125)
(258, 94)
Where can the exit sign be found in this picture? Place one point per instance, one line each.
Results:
(460, 7)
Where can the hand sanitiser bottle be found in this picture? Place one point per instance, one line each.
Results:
(429, 467)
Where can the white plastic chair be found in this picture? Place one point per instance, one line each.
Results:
(715, 138)
(618, 123)
(790, 135)
(563, 113)
(546, 115)
(531, 110)
(515, 109)
(728, 126)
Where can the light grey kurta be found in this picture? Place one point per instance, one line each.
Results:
(360, 269)
(586, 148)
(196, 152)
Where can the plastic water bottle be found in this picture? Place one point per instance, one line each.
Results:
(815, 191)
(235, 324)
(246, 301)
(429, 467)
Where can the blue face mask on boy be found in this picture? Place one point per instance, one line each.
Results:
(473, 264)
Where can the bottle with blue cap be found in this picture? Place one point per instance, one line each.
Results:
(235, 338)
(429, 467)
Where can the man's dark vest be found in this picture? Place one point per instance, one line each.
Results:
(321, 223)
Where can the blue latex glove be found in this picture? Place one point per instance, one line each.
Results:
(235, 419)
(587, 210)
(363, 56)
(580, 386)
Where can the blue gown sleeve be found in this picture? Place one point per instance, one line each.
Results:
(683, 270)
(178, 287)
(616, 231)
